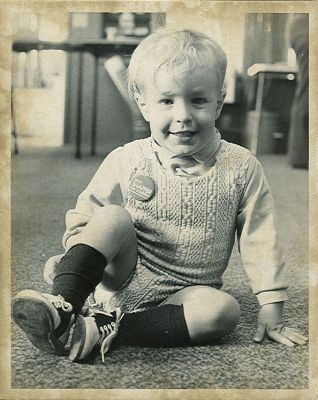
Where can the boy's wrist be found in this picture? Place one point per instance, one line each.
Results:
(272, 296)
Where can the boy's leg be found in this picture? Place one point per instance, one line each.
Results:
(194, 315)
(106, 249)
(112, 233)
(209, 313)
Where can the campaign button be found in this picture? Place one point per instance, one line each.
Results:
(142, 188)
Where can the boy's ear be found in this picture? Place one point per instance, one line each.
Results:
(220, 103)
(142, 105)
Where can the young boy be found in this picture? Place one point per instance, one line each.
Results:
(157, 223)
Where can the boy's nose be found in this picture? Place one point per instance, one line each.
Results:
(183, 112)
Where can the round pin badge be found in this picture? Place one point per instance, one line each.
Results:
(142, 188)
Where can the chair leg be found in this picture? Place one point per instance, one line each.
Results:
(13, 129)
(15, 142)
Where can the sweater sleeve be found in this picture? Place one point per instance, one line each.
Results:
(258, 238)
(104, 188)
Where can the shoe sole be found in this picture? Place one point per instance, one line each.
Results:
(34, 317)
(78, 339)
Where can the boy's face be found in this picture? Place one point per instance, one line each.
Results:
(182, 109)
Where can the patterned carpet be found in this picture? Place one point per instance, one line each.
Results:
(46, 182)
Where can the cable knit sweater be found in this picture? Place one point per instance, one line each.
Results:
(187, 228)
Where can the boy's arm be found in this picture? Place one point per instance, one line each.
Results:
(258, 238)
(262, 257)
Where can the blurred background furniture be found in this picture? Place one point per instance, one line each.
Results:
(96, 115)
(71, 90)
(96, 48)
(270, 107)
(298, 147)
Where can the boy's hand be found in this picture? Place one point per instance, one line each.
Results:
(270, 322)
(50, 268)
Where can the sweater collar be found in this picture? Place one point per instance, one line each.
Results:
(194, 165)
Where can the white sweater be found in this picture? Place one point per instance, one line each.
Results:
(187, 228)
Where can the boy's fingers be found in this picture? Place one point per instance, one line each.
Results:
(300, 336)
(260, 333)
(294, 336)
(278, 337)
(296, 340)
(297, 333)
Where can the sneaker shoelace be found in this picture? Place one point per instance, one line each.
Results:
(108, 331)
(59, 302)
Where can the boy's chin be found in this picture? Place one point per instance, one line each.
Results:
(182, 151)
(178, 150)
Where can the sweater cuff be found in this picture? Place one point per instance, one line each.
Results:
(273, 296)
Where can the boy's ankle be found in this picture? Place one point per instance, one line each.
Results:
(66, 319)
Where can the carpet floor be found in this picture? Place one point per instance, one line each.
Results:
(45, 184)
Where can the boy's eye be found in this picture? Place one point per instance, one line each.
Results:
(199, 100)
(166, 102)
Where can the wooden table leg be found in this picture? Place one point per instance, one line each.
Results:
(79, 126)
(94, 109)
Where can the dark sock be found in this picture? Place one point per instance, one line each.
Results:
(78, 273)
(161, 326)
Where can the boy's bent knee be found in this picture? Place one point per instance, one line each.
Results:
(119, 214)
(114, 220)
(225, 317)
(110, 231)
(211, 315)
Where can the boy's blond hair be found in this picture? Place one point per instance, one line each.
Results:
(177, 50)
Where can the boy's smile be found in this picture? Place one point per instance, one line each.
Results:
(182, 109)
